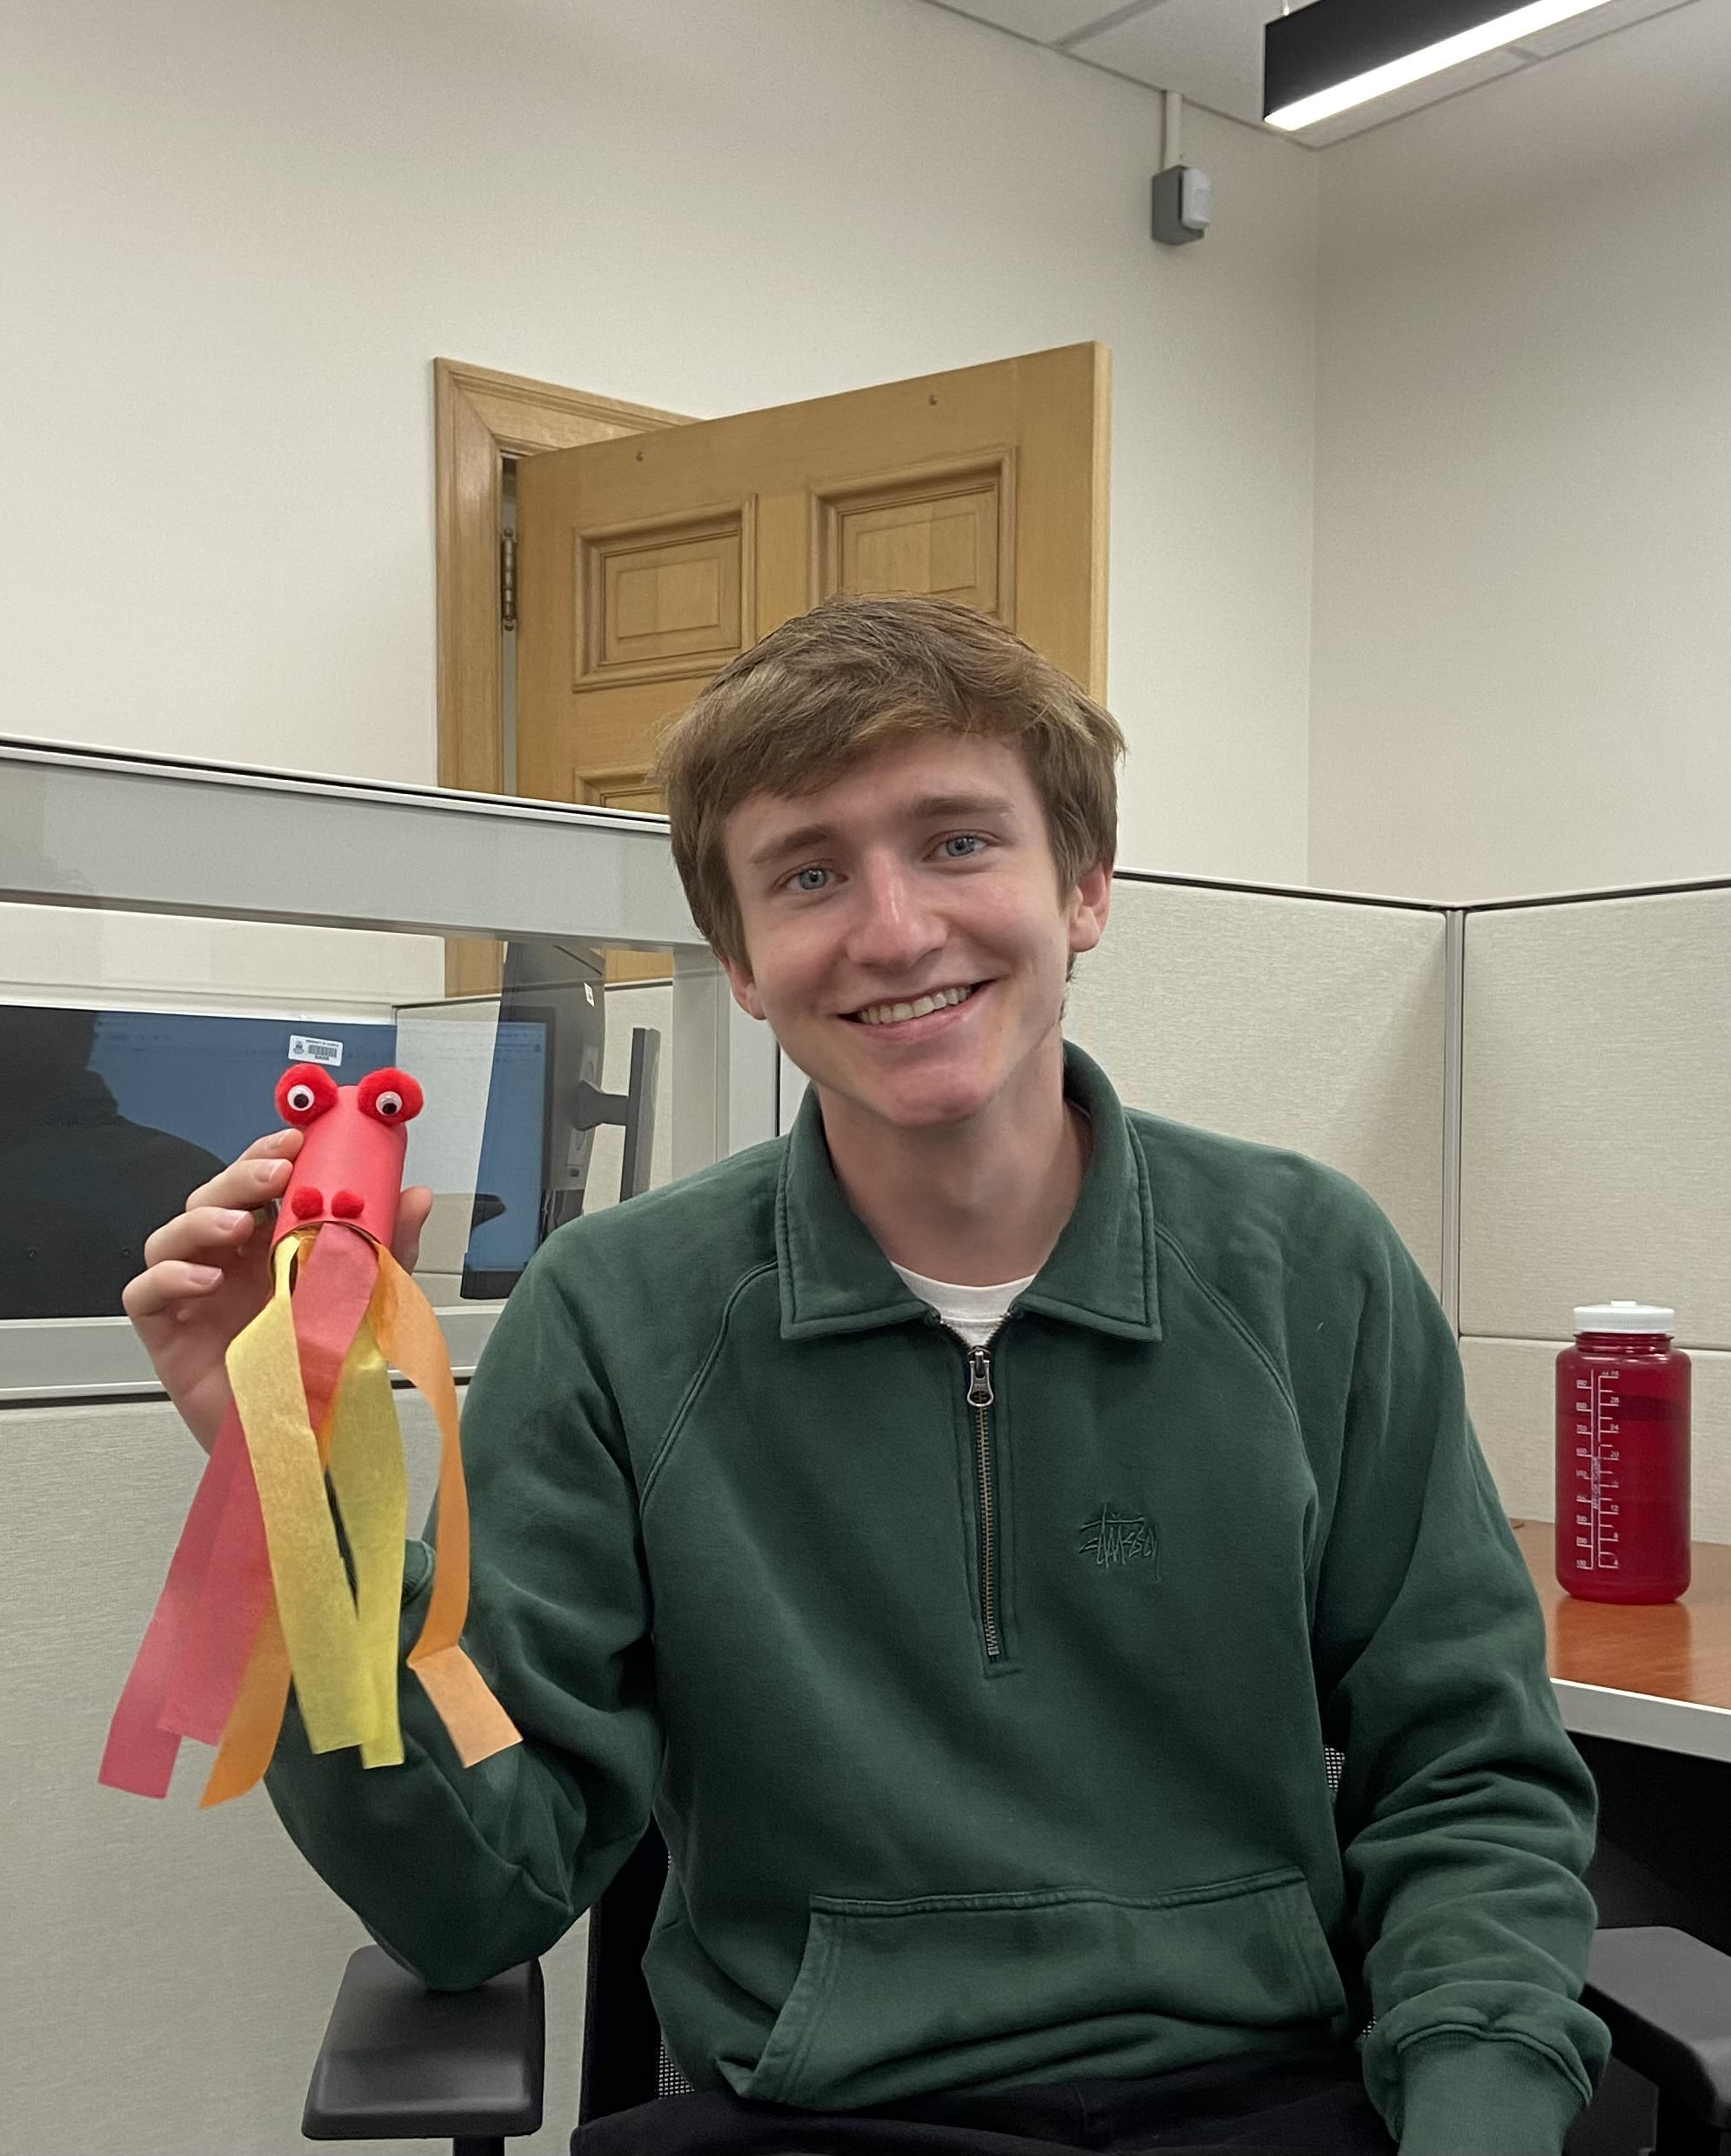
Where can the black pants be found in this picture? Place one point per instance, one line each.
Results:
(1310, 2102)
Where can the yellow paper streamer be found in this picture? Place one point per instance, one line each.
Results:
(408, 1333)
(372, 1484)
(319, 1624)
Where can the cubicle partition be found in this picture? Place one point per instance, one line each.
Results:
(1295, 1020)
(1537, 1096)
(1595, 1158)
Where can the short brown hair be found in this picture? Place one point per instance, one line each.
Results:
(854, 674)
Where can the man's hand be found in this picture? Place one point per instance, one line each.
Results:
(208, 1275)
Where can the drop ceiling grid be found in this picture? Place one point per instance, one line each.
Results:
(1211, 49)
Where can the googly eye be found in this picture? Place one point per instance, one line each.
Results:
(388, 1095)
(304, 1092)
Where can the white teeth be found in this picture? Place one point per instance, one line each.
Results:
(891, 1013)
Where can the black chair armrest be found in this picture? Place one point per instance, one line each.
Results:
(399, 2061)
(1666, 1998)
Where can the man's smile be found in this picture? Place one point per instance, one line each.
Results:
(920, 1007)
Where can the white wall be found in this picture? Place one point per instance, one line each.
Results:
(1522, 666)
(241, 235)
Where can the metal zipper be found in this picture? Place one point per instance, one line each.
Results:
(980, 1398)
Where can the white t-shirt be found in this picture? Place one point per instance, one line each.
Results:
(975, 1313)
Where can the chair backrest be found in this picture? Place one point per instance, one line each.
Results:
(622, 2051)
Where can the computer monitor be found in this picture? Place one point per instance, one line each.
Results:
(554, 993)
(113, 1116)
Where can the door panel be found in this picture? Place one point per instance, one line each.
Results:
(653, 599)
(950, 534)
(647, 562)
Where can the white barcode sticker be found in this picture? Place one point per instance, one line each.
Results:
(304, 1048)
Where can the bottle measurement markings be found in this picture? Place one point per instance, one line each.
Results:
(1598, 1486)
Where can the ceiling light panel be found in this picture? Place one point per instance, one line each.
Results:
(1432, 90)
(1583, 28)
(1343, 53)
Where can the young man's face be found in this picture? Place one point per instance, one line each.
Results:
(924, 870)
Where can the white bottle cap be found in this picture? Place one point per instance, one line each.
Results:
(1624, 1317)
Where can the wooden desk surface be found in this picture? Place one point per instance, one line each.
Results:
(1674, 1651)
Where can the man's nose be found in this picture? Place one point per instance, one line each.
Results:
(894, 924)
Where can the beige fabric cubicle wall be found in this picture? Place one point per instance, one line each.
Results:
(1595, 1159)
(169, 1971)
(1312, 1023)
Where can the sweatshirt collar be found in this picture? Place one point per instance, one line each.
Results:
(834, 1279)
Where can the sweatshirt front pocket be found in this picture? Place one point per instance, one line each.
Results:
(896, 1999)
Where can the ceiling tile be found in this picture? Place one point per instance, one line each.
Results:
(1210, 50)
(1044, 20)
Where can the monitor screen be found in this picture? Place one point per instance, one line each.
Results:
(109, 1119)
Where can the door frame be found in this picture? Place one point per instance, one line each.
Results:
(481, 417)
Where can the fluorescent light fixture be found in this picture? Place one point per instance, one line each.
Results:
(1503, 28)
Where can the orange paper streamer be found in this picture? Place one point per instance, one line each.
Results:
(256, 1720)
(408, 1332)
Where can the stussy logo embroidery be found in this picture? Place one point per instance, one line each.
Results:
(1113, 1538)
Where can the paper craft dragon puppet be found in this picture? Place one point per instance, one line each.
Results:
(257, 1593)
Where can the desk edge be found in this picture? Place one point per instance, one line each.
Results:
(1644, 1718)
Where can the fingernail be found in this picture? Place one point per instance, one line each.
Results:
(206, 1276)
(225, 1219)
(266, 1170)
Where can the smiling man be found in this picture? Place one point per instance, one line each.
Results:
(969, 1524)
(904, 932)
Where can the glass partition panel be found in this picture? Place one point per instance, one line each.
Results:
(550, 1098)
(175, 938)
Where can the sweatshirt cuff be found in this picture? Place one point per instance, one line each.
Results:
(417, 1569)
(1482, 2096)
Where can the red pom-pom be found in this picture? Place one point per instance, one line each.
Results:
(306, 1203)
(388, 1095)
(304, 1092)
(348, 1205)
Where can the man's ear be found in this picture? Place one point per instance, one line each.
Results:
(1090, 903)
(745, 988)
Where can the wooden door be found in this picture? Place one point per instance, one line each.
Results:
(647, 563)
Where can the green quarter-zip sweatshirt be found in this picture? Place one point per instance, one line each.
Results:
(983, 1700)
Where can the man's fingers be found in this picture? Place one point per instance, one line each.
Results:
(256, 1178)
(165, 1287)
(207, 1235)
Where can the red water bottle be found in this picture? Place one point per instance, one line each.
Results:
(1623, 1457)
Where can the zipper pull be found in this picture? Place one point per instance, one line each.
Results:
(978, 1377)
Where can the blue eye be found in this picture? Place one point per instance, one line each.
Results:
(798, 879)
(968, 838)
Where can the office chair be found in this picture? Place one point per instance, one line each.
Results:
(401, 2062)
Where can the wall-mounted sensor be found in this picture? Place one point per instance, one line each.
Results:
(1183, 204)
